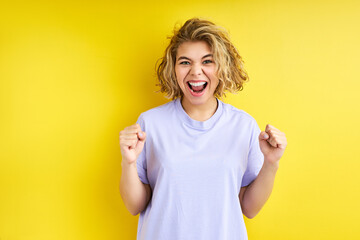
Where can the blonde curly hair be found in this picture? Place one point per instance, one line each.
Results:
(229, 64)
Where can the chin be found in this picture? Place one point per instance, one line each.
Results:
(197, 100)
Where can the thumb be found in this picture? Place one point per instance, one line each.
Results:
(140, 144)
(263, 141)
(263, 136)
(142, 136)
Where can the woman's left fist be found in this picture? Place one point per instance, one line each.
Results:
(272, 144)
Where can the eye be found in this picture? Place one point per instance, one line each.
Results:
(208, 61)
(184, 62)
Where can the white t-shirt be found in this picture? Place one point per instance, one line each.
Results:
(195, 170)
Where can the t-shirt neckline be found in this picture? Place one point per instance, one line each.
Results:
(200, 125)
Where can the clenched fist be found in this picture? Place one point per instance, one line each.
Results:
(272, 144)
(132, 141)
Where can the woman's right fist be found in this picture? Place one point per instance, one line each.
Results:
(132, 141)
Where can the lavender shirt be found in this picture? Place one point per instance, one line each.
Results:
(195, 170)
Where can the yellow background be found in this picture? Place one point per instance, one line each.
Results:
(75, 73)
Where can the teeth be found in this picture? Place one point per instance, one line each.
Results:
(197, 84)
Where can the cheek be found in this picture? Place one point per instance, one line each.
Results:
(179, 78)
(210, 73)
(180, 74)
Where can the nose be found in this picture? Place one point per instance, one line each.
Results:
(196, 69)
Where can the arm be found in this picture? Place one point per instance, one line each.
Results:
(135, 194)
(253, 197)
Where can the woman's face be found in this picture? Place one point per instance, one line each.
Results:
(196, 72)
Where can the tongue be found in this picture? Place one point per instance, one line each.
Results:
(198, 88)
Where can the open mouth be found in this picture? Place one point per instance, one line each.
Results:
(197, 87)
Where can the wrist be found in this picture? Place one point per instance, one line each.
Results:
(271, 166)
(125, 163)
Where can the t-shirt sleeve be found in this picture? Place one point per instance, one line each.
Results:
(255, 156)
(141, 161)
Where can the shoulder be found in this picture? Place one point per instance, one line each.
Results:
(158, 112)
(239, 117)
(235, 113)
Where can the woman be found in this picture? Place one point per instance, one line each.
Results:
(193, 166)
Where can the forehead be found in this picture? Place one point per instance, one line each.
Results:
(194, 48)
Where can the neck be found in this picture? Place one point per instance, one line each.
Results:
(200, 112)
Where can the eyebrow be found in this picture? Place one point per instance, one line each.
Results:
(183, 57)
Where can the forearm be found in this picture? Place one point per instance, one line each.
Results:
(258, 192)
(132, 190)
